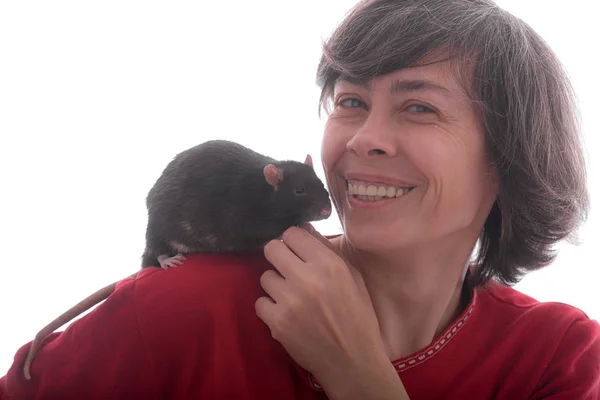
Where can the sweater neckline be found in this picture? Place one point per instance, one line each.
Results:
(435, 347)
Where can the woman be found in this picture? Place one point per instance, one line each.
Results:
(464, 110)
(453, 157)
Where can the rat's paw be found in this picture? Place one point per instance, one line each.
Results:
(170, 262)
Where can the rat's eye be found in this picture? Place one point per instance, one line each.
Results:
(299, 190)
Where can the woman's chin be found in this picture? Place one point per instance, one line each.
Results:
(372, 239)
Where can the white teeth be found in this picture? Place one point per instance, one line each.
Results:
(370, 198)
(371, 190)
(374, 192)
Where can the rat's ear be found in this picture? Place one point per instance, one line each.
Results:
(308, 161)
(273, 175)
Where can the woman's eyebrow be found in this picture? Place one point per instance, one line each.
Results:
(403, 85)
(413, 85)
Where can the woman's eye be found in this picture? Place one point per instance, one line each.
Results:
(419, 108)
(352, 103)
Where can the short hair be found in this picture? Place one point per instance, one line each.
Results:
(521, 94)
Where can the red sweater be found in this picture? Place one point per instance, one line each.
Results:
(192, 333)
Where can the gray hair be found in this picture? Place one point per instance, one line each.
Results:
(522, 96)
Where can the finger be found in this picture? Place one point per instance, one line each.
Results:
(311, 229)
(355, 272)
(281, 257)
(272, 283)
(306, 246)
(265, 309)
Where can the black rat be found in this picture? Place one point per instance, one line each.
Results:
(218, 196)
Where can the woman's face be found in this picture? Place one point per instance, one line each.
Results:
(412, 138)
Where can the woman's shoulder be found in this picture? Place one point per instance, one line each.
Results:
(552, 324)
(204, 270)
(204, 285)
(504, 299)
(543, 347)
(209, 288)
(199, 326)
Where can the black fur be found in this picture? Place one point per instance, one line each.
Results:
(214, 197)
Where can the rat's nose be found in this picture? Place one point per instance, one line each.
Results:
(325, 212)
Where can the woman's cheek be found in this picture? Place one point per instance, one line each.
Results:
(333, 149)
(333, 146)
(329, 149)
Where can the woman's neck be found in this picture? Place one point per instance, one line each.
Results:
(415, 294)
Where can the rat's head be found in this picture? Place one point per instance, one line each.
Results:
(298, 193)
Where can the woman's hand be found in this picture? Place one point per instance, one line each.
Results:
(320, 310)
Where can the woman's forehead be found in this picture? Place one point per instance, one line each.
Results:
(439, 78)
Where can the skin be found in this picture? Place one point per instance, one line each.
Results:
(392, 281)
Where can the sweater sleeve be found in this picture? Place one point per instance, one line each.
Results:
(99, 356)
(574, 371)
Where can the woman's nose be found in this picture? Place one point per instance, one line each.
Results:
(374, 138)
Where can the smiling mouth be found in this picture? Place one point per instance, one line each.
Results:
(372, 191)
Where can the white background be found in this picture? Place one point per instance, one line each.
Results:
(96, 98)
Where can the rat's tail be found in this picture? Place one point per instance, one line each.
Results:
(67, 316)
